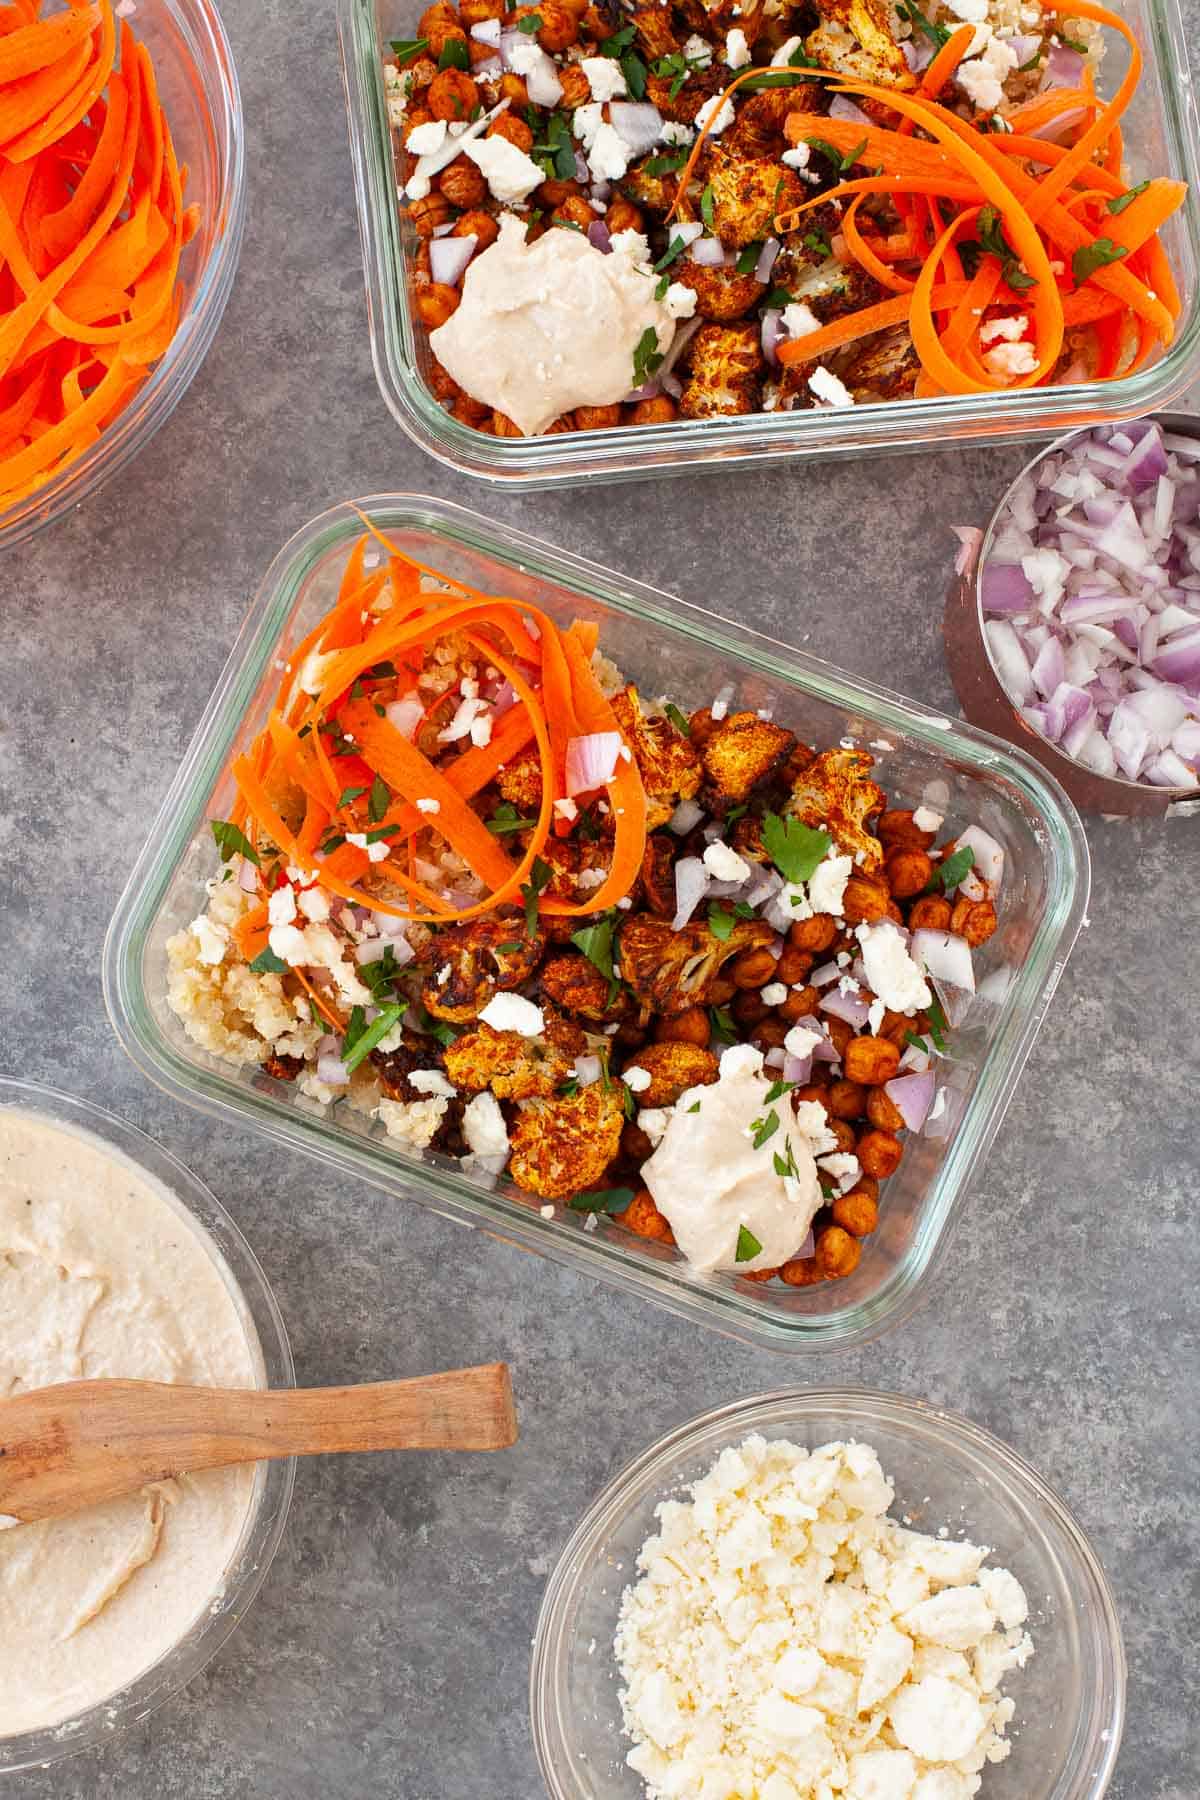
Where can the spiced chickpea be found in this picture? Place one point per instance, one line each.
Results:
(656, 411)
(427, 214)
(870, 1060)
(879, 1153)
(812, 1090)
(908, 873)
(435, 304)
(596, 418)
(576, 89)
(441, 16)
(559, 28)
(623, 215)
(470, 412)
(574, 210)
(721, 991)
(442, 382)
(894, 1026)
(837, 1253)
(883, 1112)
(503, 427)
(595, 23)
(511, 87)
(701, 726)
(864, 900)
(463, 184)
(635, 1145)
(643, 1218)
(690, 1027)
(748, 1006)
(479, 225)
(477, 12)
(840, 1033)
(814, 935)
(974, 920)
(893, 913)
(515, 130)
(802, 1271)
(842, 1130)
(447, 34)
(846, 1099)
(757, 1274)
(793, 964)
(798, 1005)
(899, 828)
(552, 193)
(753, 968)
(453, 95)
(769, 1034)
(856, 1212)
(930, 913)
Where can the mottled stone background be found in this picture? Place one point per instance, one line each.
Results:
(388, 1652)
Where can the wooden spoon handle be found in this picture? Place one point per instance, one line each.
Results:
(73, 1445)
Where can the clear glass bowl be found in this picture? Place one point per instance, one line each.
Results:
(199, 89)
(1070, 1700)
(265, 1520)
(657, 641)
(1160, 137)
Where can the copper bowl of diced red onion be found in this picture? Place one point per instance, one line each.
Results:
(1073, 624)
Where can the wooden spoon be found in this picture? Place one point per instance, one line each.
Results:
(66, 1447)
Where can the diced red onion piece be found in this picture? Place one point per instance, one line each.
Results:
(1186, 741)
(487, 32)
(797, 1068)
(918, 54)
(824, 975)
(708, 253)
(851, 1007)
(775, 1059)
(405, 714)
(1179, 660)
(691, 885)
(970, 538)
(912, 1096)
(1010, 659)
(598, 236)
(248, 877)
(914, 1061)
(1064, 67)
(448, 258)
(637, 123)
(989, 855)
(944, 955)
(330, 1067)
(806, 1248)
(591, 761)
(955, 1002)
(770, 332)
(1170, 770)
(1048, 670)
(766, 259)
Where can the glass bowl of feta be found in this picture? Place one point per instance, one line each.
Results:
(1159, 137)
(1033, 1615)
(920, 759)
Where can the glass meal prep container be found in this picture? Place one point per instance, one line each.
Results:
(656, 640)
(1161, 138)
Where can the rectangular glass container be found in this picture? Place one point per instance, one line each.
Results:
(658, 642)
(1161, 138)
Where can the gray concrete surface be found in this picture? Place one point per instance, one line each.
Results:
(388, 1652)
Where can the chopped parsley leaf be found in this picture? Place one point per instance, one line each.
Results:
(602, 1200)
(661, 286)
(380, 832)
(665, 165)
(647, 357)
(918, 1043)
(720, 921)
(937, 34)
(778, 1089)
(796, 849)
(596, 942)
(785, 1166)
(947, 875)
(748, 1246)
(673, 251)
(748, 259)
(722, 1024)
(530, 25)
(694, 1107)
(938, 1024)
(1119, 202)
(777, 299)
(679, 720)
(707, 201)
(230, 841)
(347, 795)
(540, 877)
(1090, 257)
(455, 55)
(267, 963)
(507, 819)
(764, 1129)
(404, 49)
(362, 1038)
(817, 240)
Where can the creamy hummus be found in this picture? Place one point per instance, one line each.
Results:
(548, 326)
(717, 1168)
(103, 1273)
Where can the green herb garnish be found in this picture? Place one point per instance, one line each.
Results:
(938, 1024)
(918, 1043)
(230, 842)
(362, 1038)
(506, 819)
(1035, 59)
(947, 875)
(720, 921)
(665, 165)
(1091, 257)
(347, 795)
(748, 259)
(778, 1089)
(679, 720)
(800, 59)
(673, 251)
(723, 1028)
(556, 151)
(661, 286)
(540, 877)
(602, 1200)
(777, 299)
(404, 49)
(333, 842)
(596, 942)
(748, 1246)
(1073, 44)
(455, 55)
(620, 41)
(832, 154)
(694, 1107)
(993, 241)
(937, 34)
(379, 833)
(796, 849)
(707, 201)
(773, 78)
(531, 24)
(816, 240)
(647, 357)
(267, 963)
(763, 1129)
(1120, 201)
(785, 1166)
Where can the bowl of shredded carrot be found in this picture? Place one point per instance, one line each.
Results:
(121, 210)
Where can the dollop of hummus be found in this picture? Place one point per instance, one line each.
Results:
(547, 326)
(722, 1166)
(103, 1273)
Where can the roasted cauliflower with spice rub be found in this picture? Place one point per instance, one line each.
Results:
(669, 767)
(563, 1146)
(836, 793)
(742, 751)
(670, 971)
(725, 369)
(516, 1067)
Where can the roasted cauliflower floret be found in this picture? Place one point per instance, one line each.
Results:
(666, 762)
(714, 19)
(854, 39)
(828, 288)
(836, 793)
(683, 105)
(758, 127)
(671, 971)
(475, 962)
(575, 984)
(886, 369)
(726, 371)
(563, 1146)
(655, 37)
(520, 783)
(653, 193)
(658, 874)
(747, 194)
(516, 1067)
(742, 751)
(673, 1068)
(721, 294)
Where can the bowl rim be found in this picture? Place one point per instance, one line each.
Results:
(628, 452)
(1096, 1758)
(201, 26)
(267, 1515)
(182, 814)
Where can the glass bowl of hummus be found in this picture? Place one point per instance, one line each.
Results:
(1052, 1646)
(920, 759)
(116, 1261)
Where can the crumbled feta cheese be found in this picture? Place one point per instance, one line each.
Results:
(633, 244)
(843, 1168)
(724, 864)
(674, 131)
(481, 730)
(566, 809)
(827, 886)
(783, 56)
(1012, 330)
(608, 156)
(483, 1126)
(604, 77)
(281, 907)
(423, 140)
(1010, 359)
(586, 122)
(432, 1081)
(925, 819)
(653, 1120)
(698, 50)
(774, 994)
(973, 12)
(801, 1040)
(212, 939)
(510, 174)
(797, 157)
(376, 852)
(737, 50)
(891, 972)
(512, 1012)
(637, 1080)
(429, 806)
(982, 78)
(680, 300)
(315, 905)
(875, 1014)
(798, 319)
(717, 114)
(825, 387)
